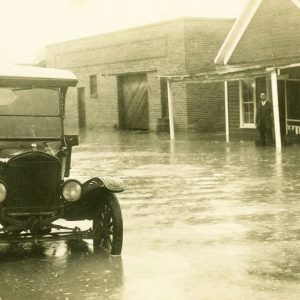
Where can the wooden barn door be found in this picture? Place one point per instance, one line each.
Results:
(133, 108)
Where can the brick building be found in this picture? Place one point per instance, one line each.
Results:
(118, 85)
(262, 54)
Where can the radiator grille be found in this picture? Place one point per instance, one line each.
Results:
(33, 184)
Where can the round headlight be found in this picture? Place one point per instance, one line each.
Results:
(71, 190)
(2, 192)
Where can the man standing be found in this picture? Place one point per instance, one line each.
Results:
(264, 119)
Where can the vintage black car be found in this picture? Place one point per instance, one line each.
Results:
(35, 160)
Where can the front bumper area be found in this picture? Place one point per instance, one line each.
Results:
(52, 236)
(38, 228)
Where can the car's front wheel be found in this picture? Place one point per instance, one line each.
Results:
(108, 225)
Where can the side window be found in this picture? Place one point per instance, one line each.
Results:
(93, 86)
(247, 103)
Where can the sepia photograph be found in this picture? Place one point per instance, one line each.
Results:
(150, 150)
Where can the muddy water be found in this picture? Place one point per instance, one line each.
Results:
(202, 220)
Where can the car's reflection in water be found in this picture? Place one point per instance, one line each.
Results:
(58, 270)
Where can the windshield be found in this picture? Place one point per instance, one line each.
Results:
(29, 113)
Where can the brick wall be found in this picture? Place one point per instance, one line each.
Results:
(179, 105)
(233, 106)
(154, 100)
(154, 49)
(205, 106)
(205, 102)
(203, 40)
(167, 48)
(273, 33)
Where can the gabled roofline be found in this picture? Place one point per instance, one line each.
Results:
(297, 3)
(237, 31)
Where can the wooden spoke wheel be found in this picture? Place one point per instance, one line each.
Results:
(108, 226)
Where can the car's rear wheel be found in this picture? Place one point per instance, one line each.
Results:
(108, 225)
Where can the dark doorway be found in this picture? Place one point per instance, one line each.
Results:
(133, 102)
(164, 98)
(81, 108)
(292, 104)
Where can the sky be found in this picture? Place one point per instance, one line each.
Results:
(27, 26)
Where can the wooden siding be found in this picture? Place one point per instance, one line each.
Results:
(273, 33)
(203, 41)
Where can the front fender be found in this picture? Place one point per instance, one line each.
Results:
(112, 184)
(93, 191)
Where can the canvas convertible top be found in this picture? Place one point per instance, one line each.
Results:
(14, 75)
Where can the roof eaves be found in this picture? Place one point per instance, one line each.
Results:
(237, 31)
(297, 3)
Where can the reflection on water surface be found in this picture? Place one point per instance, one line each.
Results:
(203, 220)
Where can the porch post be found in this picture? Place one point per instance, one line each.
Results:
(226, 111)
(276, 110)
(170, 106)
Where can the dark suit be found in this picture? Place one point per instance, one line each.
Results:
(264, 121)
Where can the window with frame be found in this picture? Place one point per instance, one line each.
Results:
(93, 86)
(247, 103)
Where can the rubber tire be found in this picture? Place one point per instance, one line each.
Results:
(112, 202)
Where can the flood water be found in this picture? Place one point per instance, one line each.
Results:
(202, 220)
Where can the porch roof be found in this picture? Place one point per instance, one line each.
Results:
(235, 72)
